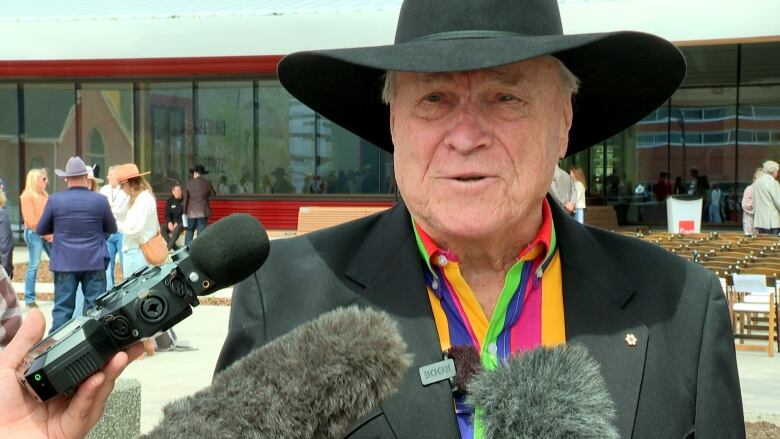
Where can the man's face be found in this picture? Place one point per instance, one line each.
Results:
(111, 177)
(475, 151)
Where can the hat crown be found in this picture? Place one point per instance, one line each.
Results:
(76, 166)
(445, 19)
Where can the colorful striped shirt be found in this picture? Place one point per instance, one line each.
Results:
(529, 311)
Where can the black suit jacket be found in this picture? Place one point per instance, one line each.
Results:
(679, 379)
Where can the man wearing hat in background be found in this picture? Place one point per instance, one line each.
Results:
(80, 221)
(197, 193)
(479, 100)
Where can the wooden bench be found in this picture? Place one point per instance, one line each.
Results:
(311, 218)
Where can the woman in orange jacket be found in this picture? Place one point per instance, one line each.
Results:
(33, 200)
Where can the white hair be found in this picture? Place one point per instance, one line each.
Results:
(569, 82)
(770, 167)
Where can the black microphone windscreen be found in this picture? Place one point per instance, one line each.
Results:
(545, 393)
(313, 382)
(230, 249)
(467, 364)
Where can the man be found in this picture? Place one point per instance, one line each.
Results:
(662, 187)
(563, 190)
(475, 140)
(118, 200)
(80, 221)
(173, 211)
(197, 193)
(766, 199)
(481, 105)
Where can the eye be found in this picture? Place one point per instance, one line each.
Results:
(507, 98)
(433, 98)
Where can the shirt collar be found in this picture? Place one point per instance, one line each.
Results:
(542, 244)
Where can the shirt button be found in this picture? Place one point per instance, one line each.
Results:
(442, 261)
(435, 284)
(492, 348)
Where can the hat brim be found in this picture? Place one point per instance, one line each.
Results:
(623, 77)
(63, 174)
(128, 177)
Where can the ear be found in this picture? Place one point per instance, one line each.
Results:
(565, 126)
(392, 124)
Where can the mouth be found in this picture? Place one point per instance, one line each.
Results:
(470, 178)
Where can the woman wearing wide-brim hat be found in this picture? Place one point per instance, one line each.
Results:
(140, 223)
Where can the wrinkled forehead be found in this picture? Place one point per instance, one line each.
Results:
(524, 73)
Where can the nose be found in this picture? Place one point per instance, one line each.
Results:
(471, 129)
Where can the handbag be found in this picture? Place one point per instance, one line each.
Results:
(155, 250)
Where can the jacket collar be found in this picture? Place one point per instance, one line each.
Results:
(387, 265)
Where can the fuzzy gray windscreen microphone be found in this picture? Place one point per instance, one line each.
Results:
(545, 393)
(313, 382)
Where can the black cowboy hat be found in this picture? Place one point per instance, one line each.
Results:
(199, 169)
(624, 75)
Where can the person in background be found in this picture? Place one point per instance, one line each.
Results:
(94, 185)
(10, 314)
(6, 239)
(662, 187)
(117, 199)
(679, 188)
(715, 197)
(766, 200)
(33, 201)
(562, 189)
(579, 185)
(140, 219)
(197, 194)
(80, 221)
(173, 212)
(748, 208)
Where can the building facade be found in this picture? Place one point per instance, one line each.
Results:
(171, 88)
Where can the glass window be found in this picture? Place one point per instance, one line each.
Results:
(302, 152)
(710, 65)
(166, 132)
(50, 128)
(760, 63)
(759, 129)
(107, 124)
(9, 150)
(224, 142)
(703, 141)
(285, 132)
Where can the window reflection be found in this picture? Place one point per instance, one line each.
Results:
(107, 124)
(166, 131)
(50, 128)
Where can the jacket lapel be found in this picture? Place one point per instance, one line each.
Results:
(388, 267)
(595, 293)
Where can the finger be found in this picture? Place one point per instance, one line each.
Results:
(76, 418)
(29, 333)
(135, 351)
(87, 405)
